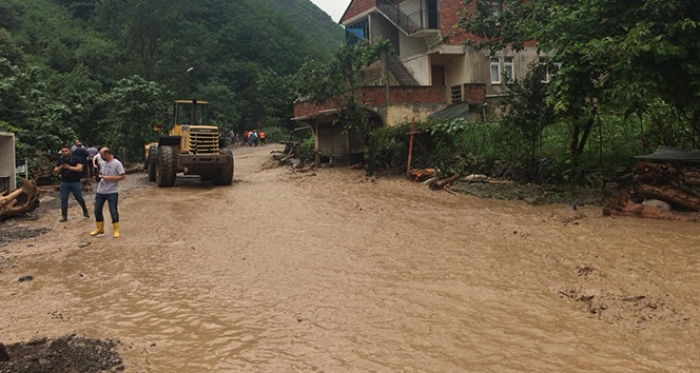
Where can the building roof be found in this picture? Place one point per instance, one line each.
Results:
(458, 110)
(667, 153)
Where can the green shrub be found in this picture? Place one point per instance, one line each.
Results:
(277, 134)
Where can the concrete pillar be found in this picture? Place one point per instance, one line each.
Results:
(7, 162)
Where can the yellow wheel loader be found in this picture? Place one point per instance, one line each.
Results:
(192, 147)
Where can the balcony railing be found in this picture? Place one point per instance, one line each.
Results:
(422, 19)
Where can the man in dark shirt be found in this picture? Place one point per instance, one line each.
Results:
(83, 155)
(70, 168)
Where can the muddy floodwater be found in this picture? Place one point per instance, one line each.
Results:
(295, 272)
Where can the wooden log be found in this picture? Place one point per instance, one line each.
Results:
(444, 182)
(623, 206)
(429, 182)
(25, 199)
(650, 173)
(10, 196)
(669, 194)
(420, 175)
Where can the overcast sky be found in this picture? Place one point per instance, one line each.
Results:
(333, 7)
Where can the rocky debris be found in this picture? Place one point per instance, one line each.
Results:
(66, 354)
(614, 308)
(4, 356)
(659, 190)
(40, 340)
(26, 278)
(11, 232)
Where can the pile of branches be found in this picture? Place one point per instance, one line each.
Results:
(294, 157)
(665, 191)
(20, 201)
(430, 178)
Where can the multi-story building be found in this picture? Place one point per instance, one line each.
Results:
(424, 75)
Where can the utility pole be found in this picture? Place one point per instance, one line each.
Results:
(184, 82)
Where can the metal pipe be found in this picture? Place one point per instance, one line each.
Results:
(520, 63)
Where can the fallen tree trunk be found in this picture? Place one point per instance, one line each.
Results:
(21, 201)
(669, 194)
(650, 173)
(10, 197)
(623, 206)
(421, 175)
(444, 182)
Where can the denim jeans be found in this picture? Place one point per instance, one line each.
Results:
(67, 188)
(112, 199)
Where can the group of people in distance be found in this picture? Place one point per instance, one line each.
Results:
(250, 138)
(77, 163)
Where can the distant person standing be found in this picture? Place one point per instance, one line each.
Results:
(83, 154)
(110, 174)
(254, 138)
(262, 137)
(70, 167)
(96, 162)
(92, 152)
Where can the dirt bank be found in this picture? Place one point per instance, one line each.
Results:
(328, 271)
(67, 354)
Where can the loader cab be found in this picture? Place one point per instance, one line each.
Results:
(187, 113)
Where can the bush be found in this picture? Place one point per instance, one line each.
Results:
(277, 134)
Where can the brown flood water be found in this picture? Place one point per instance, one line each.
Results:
(331, 273)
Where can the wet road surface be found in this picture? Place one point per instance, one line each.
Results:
(291, 272)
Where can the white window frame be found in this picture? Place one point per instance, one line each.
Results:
(549, 74)
(495, 61)
(509, 63)
(496, 6)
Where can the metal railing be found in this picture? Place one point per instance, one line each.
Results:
(422, 19)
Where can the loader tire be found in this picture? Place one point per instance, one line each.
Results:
(152, 162)
(166, 169)
(224, 176)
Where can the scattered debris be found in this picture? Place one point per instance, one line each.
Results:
(67, 354)
(19, 202)
(26, 278)
(663, 191)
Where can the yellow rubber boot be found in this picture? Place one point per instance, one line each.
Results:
(100, 228)
(116, 230)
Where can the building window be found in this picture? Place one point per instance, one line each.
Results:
(357, 32)
(495, 70)
(496, 6)
(508, 70)
(549, 69)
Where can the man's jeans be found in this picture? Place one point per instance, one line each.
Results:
(71, 187)
(112, 199)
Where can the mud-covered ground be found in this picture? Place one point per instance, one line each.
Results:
(327, 271)
(66, 354)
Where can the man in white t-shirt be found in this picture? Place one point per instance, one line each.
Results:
(111, 172)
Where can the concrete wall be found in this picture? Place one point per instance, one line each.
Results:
(396, 114)
(419, 68)
(411, 47)
(381, 27)
(7, 162)
(455, 69)
(478, 67)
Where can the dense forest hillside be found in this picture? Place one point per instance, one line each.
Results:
(312, 21)
(104, 70)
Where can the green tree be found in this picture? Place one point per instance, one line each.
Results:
(135, 106)
(526, 106)
(339, 80)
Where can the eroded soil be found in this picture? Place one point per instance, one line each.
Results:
(327, 271)
(67, 354)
